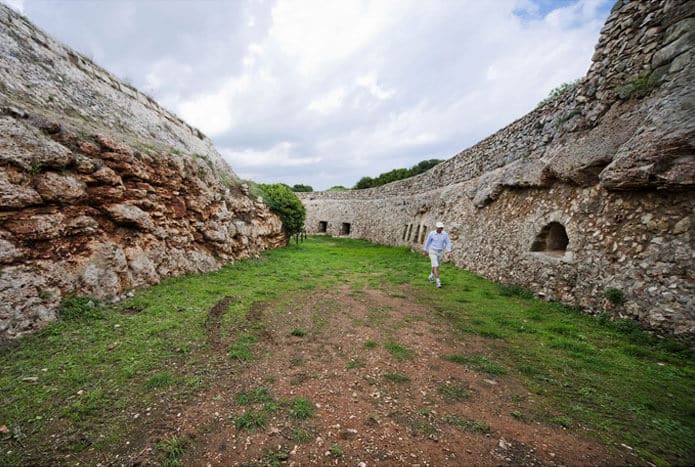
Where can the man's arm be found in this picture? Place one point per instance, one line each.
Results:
(427, 242)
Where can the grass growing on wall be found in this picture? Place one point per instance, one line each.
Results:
(83, 385)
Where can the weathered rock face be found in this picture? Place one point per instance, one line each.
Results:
(592, 190)
(101, 190)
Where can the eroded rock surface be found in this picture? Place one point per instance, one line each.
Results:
(101, 189)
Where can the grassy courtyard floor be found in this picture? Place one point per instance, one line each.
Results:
(106, 383)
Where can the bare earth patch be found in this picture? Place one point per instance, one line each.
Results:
(370, 364)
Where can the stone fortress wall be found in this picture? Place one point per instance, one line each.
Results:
(101, 189)
(590, 191)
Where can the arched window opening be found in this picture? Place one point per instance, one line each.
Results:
(552, 240)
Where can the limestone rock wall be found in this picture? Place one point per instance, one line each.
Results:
(102, 190)
(610, 164)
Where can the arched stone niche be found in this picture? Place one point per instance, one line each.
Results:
(551, 237)
(551, 240)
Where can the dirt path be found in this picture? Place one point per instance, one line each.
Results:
(369, 407)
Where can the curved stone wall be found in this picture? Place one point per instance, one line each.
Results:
(611, 160)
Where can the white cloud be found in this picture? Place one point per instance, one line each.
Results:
(328, 103)
(369, 82)
(214, 112)
(317, 34)
(281, 155)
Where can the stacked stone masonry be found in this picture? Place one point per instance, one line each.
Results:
(101, 190)
(610, 164)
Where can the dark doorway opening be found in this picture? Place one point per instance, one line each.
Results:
(345, 229)
(552, 239)
(323, 226)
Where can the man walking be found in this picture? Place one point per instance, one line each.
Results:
(438, 246)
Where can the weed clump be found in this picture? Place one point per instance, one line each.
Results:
(454, 392)
(256, 396)
(638, 87)
(464, 424)
(79, 308)
(298, 332)
(558, 91)
(512, 290)
(172, 449)
(160, 380)
(478, 362)
(615, 296)
(241, 349)
(301, 408)
(396, 377)
(250, 420)
(399, 352)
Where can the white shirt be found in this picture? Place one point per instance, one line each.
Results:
(438, 241)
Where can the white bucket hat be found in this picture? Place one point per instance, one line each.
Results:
(440, 225)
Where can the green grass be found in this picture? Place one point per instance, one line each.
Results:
(370, 344)
(79, 308)
(394, 377)
(160, 380)
(171, 450)
(251, 420)
(399, 351)
(242, 349)
(473, 426)
(454, 392)
(260, 395)
(298, 332)
(478, 362)
(355, 362)
(616, 382)
(336, 450)
(301, 408)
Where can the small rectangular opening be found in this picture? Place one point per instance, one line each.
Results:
(423, 235)
(345, 229)
(323, 226)
(417, 234)
(405, 231)
(410, 231)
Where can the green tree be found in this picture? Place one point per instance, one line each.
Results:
(396, 174)
(424, 166)
(283, 202)
(302, 188)
(391, 176)
(337, 188)
(365, 182)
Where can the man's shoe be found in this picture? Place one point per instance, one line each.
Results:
(431, 278)
(439, 284)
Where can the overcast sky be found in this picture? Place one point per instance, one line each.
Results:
(323, 92)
